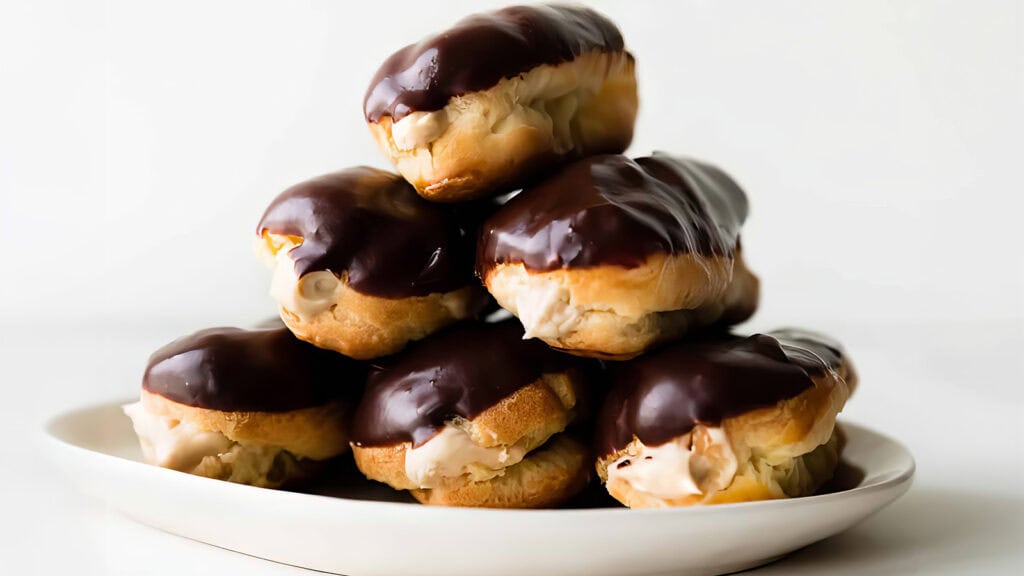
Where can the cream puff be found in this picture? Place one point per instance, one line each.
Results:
(727, 419)
(255, 407)
(473, 416)
(610, 256)
(501, 96)
(362, 265)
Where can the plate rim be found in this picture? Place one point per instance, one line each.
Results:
(53, 439)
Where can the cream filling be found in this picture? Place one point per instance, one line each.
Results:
(698, 463)
(419, 129)
(172, 443)
(307, 296)
(452, 454)
(545, 311)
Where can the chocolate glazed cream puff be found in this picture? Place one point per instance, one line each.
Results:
(362, 265)
(611, 255)
(473, 416)
(256, 407)
(726, 420)
(482, 106)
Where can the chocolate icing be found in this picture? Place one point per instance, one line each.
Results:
(611, 210)
(372, 224)
(237, 370)
(663, 395)
(479, 51)
(459, 372)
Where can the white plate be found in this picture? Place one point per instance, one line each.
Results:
(361, 535)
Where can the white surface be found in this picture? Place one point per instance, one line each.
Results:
(879, 141)
(96, 447)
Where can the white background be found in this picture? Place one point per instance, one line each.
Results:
(880, 144)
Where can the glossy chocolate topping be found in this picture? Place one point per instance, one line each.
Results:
(372, 224)
(481, 50)
(611, 210)
(459, 372)
(237, 370)
(663, 395)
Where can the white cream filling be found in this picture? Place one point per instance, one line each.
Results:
(307, 296)
(686, 466)
(546, 311)
(418, 129)
(452, 453)
(172, 443)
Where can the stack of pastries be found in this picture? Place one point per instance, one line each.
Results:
(520, 311)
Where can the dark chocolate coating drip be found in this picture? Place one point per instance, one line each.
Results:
(237, 370)
(459, 372)
(372, 224)
(611, 210)
(663, 395)
(481, 50)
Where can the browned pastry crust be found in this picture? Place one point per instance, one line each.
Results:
(616, 313)
(526, 420)
(781, 451)
(546, 477)
(364, 326)
(317, 433)
(263, 449)
(490, 140)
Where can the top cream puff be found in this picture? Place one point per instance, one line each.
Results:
(482, 106)
(610, 255)
(362, 265)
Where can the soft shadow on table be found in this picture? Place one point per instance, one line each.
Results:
(945, 527)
